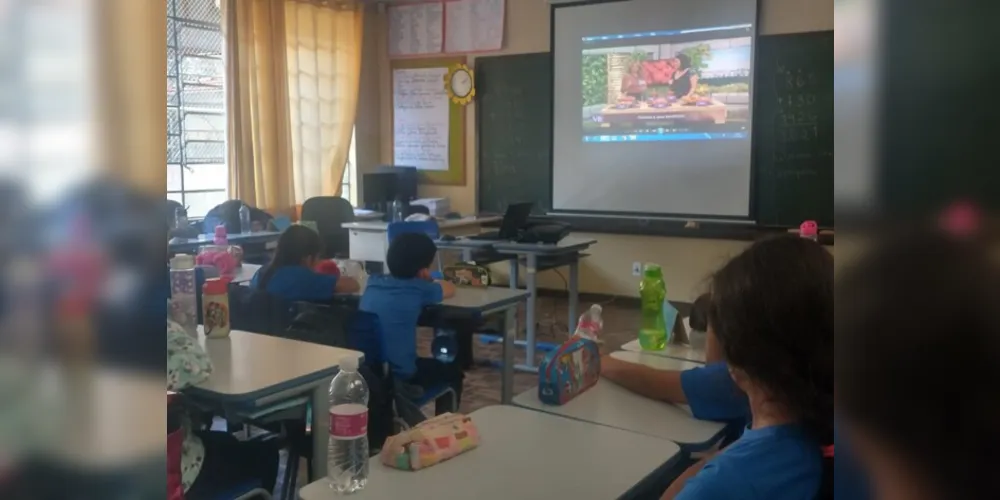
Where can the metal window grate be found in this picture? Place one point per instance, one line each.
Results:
(196, 123)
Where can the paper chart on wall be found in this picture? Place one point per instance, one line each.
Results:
(474, 25)
(416, 29)
(420, 118)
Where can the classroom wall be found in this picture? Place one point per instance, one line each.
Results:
(686, 261)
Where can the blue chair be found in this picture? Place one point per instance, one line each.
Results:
(365, 335)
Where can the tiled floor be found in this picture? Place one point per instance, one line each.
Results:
(482, 383)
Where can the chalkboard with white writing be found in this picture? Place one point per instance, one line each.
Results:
(793, 129)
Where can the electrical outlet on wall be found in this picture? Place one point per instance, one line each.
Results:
(637, 268)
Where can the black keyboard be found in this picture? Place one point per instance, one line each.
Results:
(489, 235)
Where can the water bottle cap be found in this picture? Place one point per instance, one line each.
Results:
(182, 261)
(349, 363)
(808, 229)
(595, 310)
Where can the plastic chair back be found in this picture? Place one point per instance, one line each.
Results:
(329, 212)
(428, 227)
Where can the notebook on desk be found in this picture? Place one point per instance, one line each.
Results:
(514, 219)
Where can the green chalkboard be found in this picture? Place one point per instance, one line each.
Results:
(514, 130)
(793, 129)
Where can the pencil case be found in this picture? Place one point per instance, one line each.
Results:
(466, 274)
(430, 442)
(569, 371)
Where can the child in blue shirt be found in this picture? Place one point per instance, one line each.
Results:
(291, 273)
(398, 299)
(771, 313)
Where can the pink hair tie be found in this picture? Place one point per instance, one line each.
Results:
(828, 451)
(961, 219)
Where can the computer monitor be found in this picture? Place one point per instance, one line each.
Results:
(406, 180)
(514, 220)
(379, 190)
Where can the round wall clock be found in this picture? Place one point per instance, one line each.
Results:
(460, 84)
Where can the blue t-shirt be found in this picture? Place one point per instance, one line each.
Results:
(298, 284)
(398, 304)
(713, 395)
(774, 463)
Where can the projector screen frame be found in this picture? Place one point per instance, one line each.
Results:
(751, 216)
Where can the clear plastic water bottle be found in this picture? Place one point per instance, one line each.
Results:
(180, 218)
(347, 449)
(590, 324)
(397, 210)
(652, 292)
(444, 347)
(245, 219)
(183, 293)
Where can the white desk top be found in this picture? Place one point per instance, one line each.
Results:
(245, 273)
(654, 361)
(379, 225)
(248, 365)
(676, 351)
(484, 299)
(526, 455)
(614, 406)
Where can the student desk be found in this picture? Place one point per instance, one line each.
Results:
(611, 405)
(654, 361)
(567, 252)
(251, 371)
(369, 241)
(189, 245)
(675, 351)
(526, 455)
(485, 301)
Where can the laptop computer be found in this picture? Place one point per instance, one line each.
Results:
(514, 219)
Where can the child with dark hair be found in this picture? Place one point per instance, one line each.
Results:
(292, 275)
(398, 299)
(708, 390)
(772, 313)
(918, 350)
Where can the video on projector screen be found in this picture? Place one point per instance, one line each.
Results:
(652, 111)
(667, 86)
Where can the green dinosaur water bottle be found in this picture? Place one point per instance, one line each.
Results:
(652, 292)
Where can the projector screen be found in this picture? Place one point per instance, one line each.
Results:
(651, 107)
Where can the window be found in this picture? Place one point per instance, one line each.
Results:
(197, 175)
(349, 184)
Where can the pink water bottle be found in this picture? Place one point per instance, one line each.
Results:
(809, 230)
(221, 237)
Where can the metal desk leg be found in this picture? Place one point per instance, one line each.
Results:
(532, 284)
(574, 294)
(514, 271)
(507, 377)
(466, 255)
(320, 429)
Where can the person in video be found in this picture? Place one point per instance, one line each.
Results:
(634, 83)
(685, 79)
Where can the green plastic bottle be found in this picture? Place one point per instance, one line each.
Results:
(652, 292)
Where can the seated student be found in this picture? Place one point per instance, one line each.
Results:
(918, 344)
(712, 394)
(708, 390)
(398, 299)
(772, 315)
(212, 464)
(291, 274)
